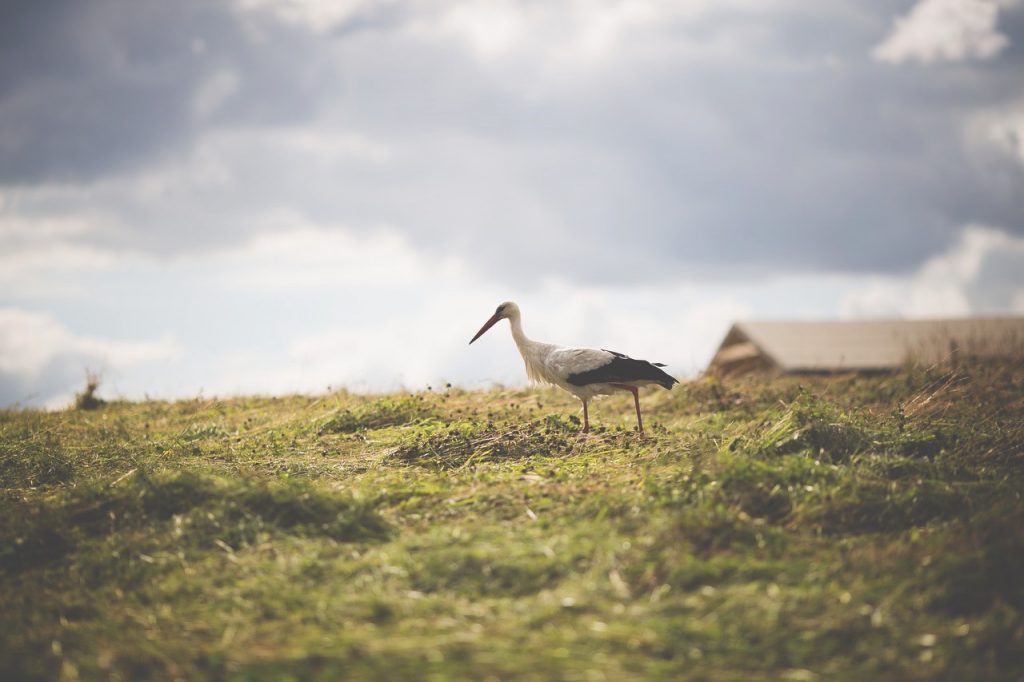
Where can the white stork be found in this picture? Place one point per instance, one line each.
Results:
(584, 372)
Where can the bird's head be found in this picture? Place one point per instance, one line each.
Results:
(507, 310)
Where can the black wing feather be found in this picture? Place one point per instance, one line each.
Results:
(623, 368)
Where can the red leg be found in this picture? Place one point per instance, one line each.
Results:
(636, 401)
(586, 418)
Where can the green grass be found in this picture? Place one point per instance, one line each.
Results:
(788, 528)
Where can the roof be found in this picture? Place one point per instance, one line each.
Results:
(830, 346)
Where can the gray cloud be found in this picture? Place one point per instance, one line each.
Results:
(742, 141)
(106, 87)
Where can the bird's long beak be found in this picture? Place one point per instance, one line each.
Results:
(487, 325)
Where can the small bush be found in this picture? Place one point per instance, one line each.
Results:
(87, 399)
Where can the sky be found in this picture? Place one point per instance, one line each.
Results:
(255, 196)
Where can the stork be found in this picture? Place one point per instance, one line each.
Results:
(584, 372)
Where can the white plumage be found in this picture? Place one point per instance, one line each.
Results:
(584, 372)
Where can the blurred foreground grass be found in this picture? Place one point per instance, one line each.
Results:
(771, 529)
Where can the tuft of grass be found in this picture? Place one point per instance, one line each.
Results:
(198, 431)
(462, 443)
(383, 412)
(813, 426)
(30, 459)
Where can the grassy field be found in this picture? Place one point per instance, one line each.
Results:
(772, 529)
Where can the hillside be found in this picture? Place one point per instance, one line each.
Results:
(769, 529)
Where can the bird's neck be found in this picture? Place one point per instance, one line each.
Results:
(522, 342)
(533, 352)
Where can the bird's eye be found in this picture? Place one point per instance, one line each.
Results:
(498, 311)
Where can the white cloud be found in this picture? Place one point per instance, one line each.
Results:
(317, 15)
(321, 143)
(944, 30)
(421, 337)
(947, 285)
(999, 130)
(494, 28)
(222, 160)
(574, 33)
(15, 228)
(37, 255)
(214, 92)
(305, 306)
(406, 352)
(31, 340)
(490, 28)
(569, 33)
(299, 256)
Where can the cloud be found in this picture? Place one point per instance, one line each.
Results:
(37, 257)
(40, 358)
(393, 318)
(303, 307)
(214, 92)
(319, 16)
(556, 34)
(999, 131)
(980, 274)
(425, 342)
(944, 31)
(300, 257)
(600, 141)
(91, 90)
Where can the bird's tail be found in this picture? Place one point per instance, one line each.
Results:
(664, 379)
